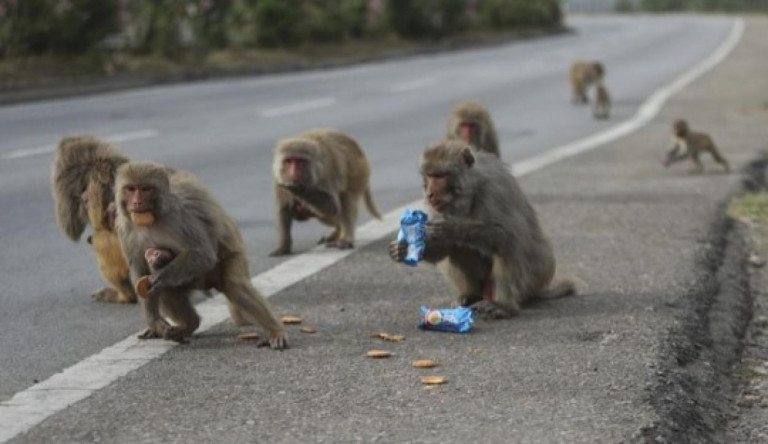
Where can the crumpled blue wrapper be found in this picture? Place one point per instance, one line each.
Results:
(413, 233)
(456, 320)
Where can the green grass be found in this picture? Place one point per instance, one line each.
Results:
(752, 207)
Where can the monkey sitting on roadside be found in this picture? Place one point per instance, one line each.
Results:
(320, 173)
(601, 109)
(482, 233)
(172, 211)
(82, 179)
(581, 75)
(471, 122)
(689, 144)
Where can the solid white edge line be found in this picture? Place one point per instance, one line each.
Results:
(413, 84)
(115, 138)
(33, 405)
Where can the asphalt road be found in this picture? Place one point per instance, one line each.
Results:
(225, 131)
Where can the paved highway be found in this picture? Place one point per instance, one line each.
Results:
(224, 132)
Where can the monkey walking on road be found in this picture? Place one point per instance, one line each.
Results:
(320, 173)
(687, 144)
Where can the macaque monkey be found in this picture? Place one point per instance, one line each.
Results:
(482, 233)
(471, 122)
(158, 258)
(581, 75)
(688, 144)
(320, 173)
(82, 179)
(172, 211)
(601, 109)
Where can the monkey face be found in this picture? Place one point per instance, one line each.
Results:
(295, 170)
(157, 258)
(138, 198)
(470, 132)
(436, 190)
(680, 128)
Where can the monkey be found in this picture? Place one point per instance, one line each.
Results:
(601, 109)
(82, 178)
(581, 75)
(320, 173)
(482, 232)
(158, 258)
(158, 207)
(471, 122)
(690, 144)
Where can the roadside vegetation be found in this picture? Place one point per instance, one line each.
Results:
(690, 5)
(63, 38)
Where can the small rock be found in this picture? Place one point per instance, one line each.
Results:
(756, 261)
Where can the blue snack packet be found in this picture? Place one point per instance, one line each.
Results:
(456, 320)
(413, 233)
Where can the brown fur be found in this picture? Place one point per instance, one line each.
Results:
(82, 180)
(601, 109)
(475, 114)
(335, 178)
(206, 246)
(483, 233)
(581, 75)
(687, 144)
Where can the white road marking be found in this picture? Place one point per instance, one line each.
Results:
(413, 84)
(33, 405)
(116, 138)
(298, 107)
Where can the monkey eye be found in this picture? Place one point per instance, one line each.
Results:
(146, 188)
(437, 176)
(130, 188)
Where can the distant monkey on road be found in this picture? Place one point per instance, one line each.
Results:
(471, 122)
(581, 76)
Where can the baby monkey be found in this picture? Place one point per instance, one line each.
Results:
(690, 144)
(157, 258)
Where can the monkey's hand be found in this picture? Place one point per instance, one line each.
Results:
(398, 250)
(277, 341)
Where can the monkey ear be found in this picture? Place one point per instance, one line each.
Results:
(467, 156)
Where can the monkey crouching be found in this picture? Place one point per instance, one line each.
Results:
(197, 246)
(483, 233)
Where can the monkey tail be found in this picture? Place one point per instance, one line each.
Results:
(370, 204)
(561, 289)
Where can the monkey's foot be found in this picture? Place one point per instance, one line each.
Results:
(178, 334)
(276, 341)
(468, 300)
(340, 244)
(148, 334)
(281, 251)
(489, 311)
(108, 294)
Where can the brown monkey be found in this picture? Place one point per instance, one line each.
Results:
(320, 173)
(581, 75)
(689, 144)
(601, 109)
(483, 233)
(82, 181)
(172, 211)
(471, 122)
(158, 258)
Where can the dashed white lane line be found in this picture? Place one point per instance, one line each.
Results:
(33, 405)
(413, 84)
(300, 107)
(116, 138)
